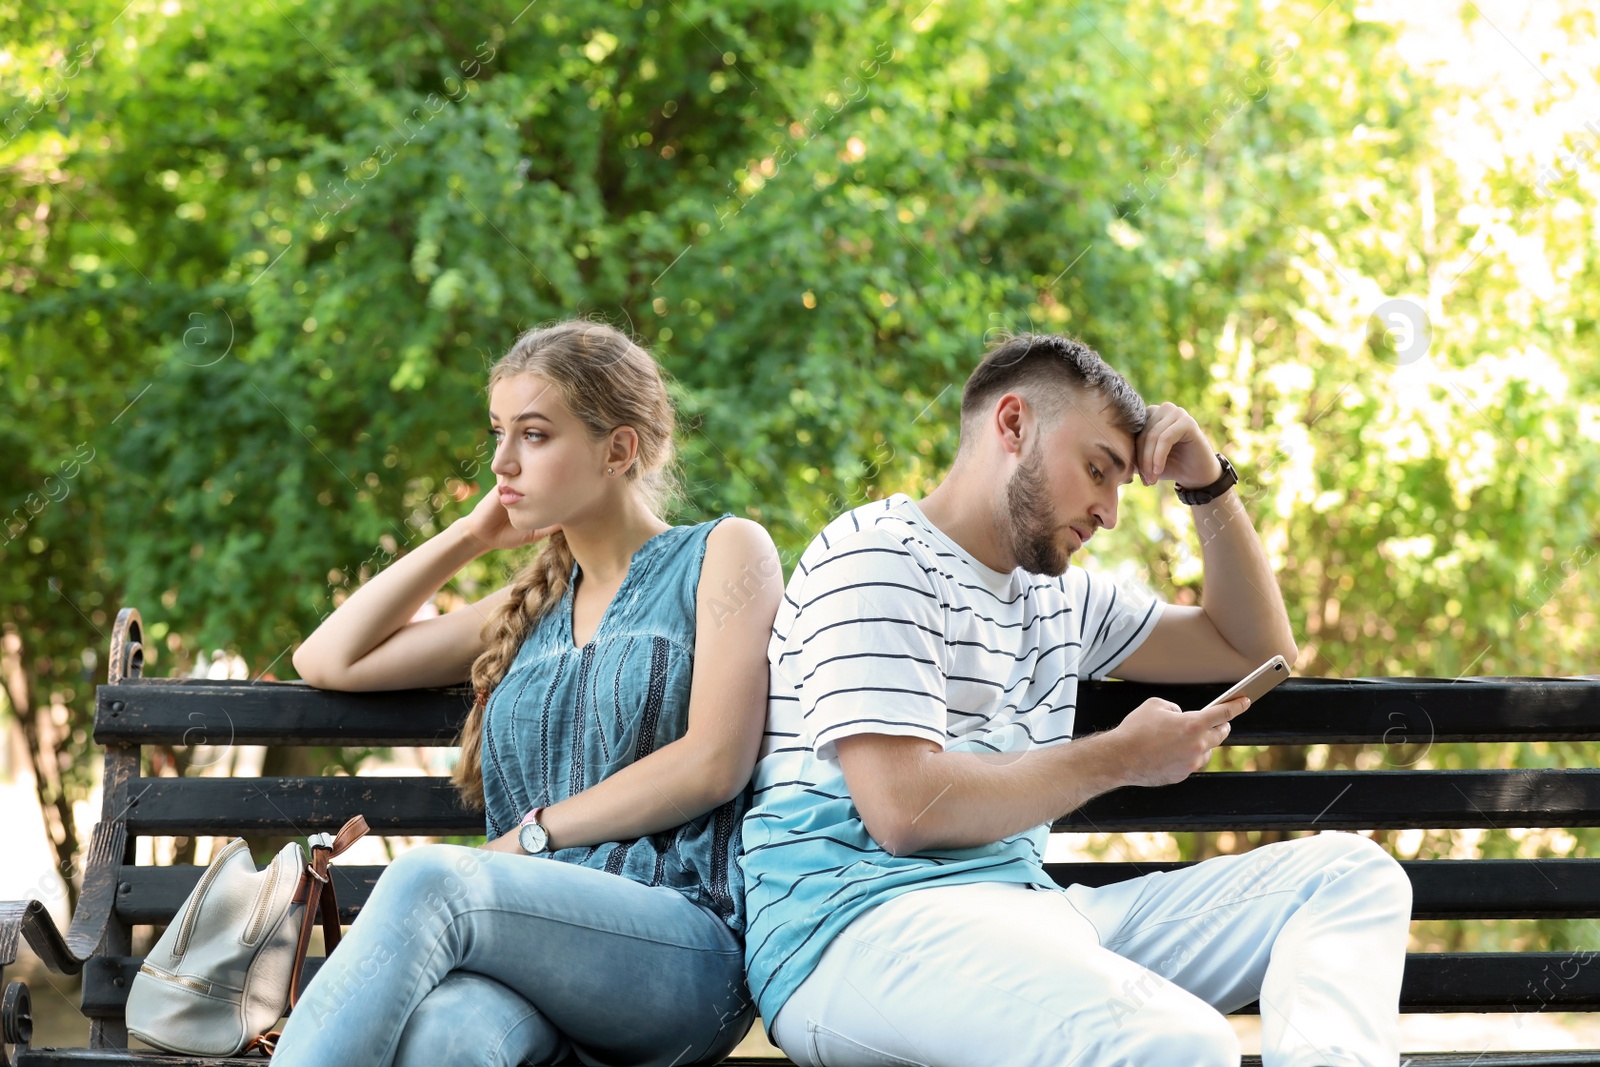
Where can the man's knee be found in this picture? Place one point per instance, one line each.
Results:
(1381, 877)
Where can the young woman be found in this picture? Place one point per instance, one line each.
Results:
(621, 695)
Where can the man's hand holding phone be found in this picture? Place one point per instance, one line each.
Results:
(1163, 744)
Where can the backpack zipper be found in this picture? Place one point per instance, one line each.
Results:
(176, 979)
(258, 914)
(192, 911)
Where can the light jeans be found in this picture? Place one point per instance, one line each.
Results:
(1139, 972)
(465, 957)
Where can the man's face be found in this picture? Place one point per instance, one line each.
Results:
(1066, 487)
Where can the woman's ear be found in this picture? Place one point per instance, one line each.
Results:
(623, 449)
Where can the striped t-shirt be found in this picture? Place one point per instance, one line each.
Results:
(887, 626)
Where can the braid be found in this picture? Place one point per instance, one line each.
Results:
(534, 591)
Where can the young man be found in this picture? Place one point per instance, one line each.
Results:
(924, 668)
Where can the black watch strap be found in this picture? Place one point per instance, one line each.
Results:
(1206, 494)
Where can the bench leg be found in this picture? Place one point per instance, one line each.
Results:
(112, 1033)
(108, 1033)
(16, 1021)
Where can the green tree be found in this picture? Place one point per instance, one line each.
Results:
(257, 261)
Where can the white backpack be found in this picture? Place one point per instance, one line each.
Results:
(229, 963)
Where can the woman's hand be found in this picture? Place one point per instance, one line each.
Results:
(505, 843)
(490, 526)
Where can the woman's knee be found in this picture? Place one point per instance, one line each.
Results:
(443, 869)
(424, 880)
(470, 1018)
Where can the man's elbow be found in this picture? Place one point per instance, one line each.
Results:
(885, 777)
(1283, 644)
(895, 832)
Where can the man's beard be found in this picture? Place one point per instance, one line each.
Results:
(1035, 541)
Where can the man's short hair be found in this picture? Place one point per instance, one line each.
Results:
(1053, 371)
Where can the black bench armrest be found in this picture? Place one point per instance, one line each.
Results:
(30, 919)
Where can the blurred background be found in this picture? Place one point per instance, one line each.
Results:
(256, 257)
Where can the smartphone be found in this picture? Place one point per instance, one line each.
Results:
(1257, 683)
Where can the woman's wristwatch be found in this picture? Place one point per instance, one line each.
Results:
(533, 837)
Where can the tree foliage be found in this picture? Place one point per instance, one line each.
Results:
(256, 261)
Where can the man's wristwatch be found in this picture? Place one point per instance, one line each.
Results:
(531, 835)
(1206, 494)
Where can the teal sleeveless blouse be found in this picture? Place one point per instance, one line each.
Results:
(563, 718)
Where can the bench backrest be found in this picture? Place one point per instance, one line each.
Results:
(133, 712)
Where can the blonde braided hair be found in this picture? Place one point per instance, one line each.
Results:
(606, 380)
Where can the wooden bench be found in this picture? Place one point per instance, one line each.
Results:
(133, 711)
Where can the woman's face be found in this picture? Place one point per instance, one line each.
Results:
(547, 467)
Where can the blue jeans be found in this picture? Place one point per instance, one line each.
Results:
(467, 957)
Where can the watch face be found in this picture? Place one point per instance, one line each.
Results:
(532, 838)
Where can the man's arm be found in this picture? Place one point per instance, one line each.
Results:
(1242, 621)
(913, 797)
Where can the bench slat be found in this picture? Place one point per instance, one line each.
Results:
(198, 711)
(1224, 800)
(1441, 889)
(420, 804)
(1434, 982)
(1349, 800)
(1390, 711)
(1517, 982)
(153, 895)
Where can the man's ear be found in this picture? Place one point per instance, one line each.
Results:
(1012, 421)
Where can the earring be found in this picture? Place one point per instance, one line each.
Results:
(610, 470)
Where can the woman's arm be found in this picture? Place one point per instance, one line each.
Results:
(369, 642)
(711, 763)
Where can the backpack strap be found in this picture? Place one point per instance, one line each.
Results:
(316, 891)
(266, 1044)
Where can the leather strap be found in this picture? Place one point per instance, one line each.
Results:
(266, 1044)
(317, 892)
